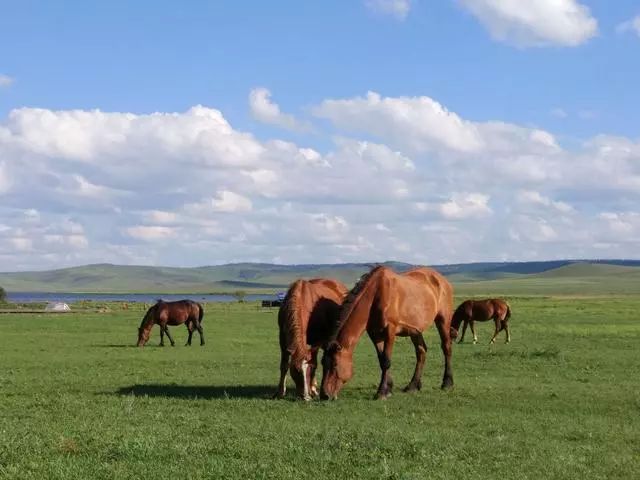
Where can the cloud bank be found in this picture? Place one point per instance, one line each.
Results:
(400, 178)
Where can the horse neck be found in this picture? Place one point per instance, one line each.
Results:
(356, 322)
(149, 319)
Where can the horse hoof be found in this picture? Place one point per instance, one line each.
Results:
(447, 385)
(381, 396)
(412, 387)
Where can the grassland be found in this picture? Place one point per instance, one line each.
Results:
(561, 401)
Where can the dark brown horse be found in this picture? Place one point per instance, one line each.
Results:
(306, 320)
(387, 305)
(171, 313)
(471, 311)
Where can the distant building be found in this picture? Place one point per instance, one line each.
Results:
(57, 307)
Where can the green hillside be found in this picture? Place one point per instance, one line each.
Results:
(530, 278)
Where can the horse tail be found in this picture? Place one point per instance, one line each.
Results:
(200, 312)
(290, 319)
(508, 314)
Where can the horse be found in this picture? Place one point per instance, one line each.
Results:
(171, 313)
(387, 304)
(306, 320)
(470, 311)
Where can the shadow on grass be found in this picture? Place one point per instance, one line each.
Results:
(205, 392)
(121, 345)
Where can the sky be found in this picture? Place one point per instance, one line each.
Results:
(426, 131)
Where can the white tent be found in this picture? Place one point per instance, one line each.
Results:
(57, 307)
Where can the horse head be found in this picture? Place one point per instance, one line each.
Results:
(337, 369)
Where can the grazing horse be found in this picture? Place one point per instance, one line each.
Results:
(387, 305)
(172, 313)
(470, 311)
(306, 320)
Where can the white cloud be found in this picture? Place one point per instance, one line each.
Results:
(265, 110)
(5, 181)
(189, 189)
(162, 217)
(535, 23)
(398, 9)
(632, 25)
(230, 202)
(466, 205)
(535, 198)
(421, 124)
(418, 122)
(6, 81)
(150, 232)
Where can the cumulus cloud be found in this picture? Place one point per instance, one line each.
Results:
(5, 80)
(265, 110)
(421, 124)
(398, 9)
(403, 178)
(466, 206)
(541, 23)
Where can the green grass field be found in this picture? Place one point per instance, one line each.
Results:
(562, 400)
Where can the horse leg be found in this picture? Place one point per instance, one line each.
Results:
(200, 332)
(421, 356)
(313, 384)
(190, 328)
(166, 330)
(473, 331)
(385, 349)
(161, 336)
(464, 329)
(507, 333)
(497, 330)
(445, 344)
(284, 367)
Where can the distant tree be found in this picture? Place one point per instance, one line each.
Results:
(3, 295)
(239, 295)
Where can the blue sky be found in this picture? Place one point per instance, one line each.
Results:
(567, 68)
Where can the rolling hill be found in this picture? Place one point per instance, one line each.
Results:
(552, 277)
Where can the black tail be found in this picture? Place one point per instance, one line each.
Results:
(508, 315)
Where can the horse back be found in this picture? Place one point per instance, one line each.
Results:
(416, 298)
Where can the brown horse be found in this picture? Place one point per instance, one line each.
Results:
(386, 305)
(470, 311)
(171, 313)
(306, 320)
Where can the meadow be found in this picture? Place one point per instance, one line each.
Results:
(78, 400)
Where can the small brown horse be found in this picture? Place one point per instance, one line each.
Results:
(471, 311)
(306, 320)
(386, 305)
(171, 313)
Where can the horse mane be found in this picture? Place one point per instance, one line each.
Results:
(293, 309)
(148, 314)
(352, 296)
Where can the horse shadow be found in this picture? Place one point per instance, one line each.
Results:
(199, 392)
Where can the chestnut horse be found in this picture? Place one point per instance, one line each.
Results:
(386, 305)
(171, 313)
(470, 311)
(306, 320)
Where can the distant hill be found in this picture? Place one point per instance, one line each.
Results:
(263, 277)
